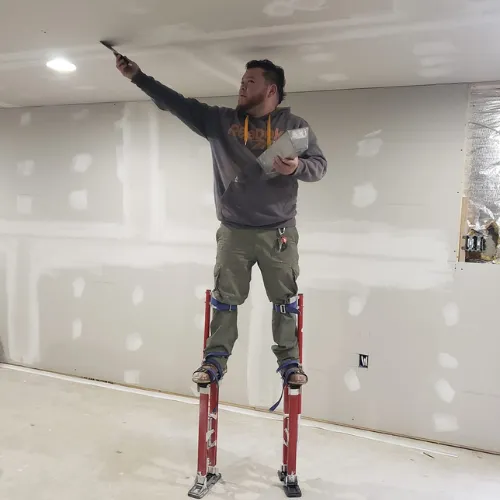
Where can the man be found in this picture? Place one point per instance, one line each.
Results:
(256, 211)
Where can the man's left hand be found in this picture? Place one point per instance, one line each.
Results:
(286, 166)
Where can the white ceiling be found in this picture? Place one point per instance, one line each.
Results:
(199, 47)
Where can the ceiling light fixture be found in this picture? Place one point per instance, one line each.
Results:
(61, 65)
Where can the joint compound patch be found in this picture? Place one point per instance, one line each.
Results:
(132, 377)
(434, 48)
(121, 171)
(333, 77)
(310, 48)
(370, 145)
(26, 168)
(81, 163)
(137, 295)
(445, 423)
(319, 57)
(351, 381)
(308, 5)
(435, 72)
(77, 329)
(279, 9)
(356, 305)
(448, 361)
(431, 61)
(134, 342)
(25, 119)
(364, 195)
(78, 287)
(78, 200)
(451, 314)
(200, 291)
(24, 204)
(86, 88)
(81, 115)
(445, 391)
(285, 8)
(199, 321)
(207, 199)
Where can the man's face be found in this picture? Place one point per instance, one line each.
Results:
(254, 89)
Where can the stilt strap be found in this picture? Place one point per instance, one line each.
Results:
(287, 369)
(216, 373)
(291, 307)
(220, 306)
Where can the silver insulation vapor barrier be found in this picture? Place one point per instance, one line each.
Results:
(482, 187)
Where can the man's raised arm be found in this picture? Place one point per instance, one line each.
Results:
(195, 114)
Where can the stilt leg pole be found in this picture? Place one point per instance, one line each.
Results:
(286, 413)
(213, 428)
(207, 473)
(300, 326)
(291, 417)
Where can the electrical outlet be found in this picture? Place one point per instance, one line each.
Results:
(363, 360)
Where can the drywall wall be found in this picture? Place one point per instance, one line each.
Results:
(108, 243)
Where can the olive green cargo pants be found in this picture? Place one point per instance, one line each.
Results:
(237, 251)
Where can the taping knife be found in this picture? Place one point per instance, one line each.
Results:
(109, 46)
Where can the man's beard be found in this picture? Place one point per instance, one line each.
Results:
(252, 103)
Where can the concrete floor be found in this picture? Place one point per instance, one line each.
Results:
(66, 439)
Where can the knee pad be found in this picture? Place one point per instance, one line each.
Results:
(220, 306)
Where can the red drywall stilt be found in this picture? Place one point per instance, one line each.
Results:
(207, 473)
(292, 409)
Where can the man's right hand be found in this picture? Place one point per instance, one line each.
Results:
(127, 67)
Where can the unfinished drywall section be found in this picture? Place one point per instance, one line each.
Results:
(110, 284)
(480, 205)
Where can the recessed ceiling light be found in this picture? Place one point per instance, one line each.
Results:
(61, 65)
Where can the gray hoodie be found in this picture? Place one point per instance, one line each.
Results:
(245, 196)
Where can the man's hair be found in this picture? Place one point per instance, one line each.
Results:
(272, 73)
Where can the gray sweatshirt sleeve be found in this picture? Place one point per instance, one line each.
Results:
(198, 116)
(312, 163)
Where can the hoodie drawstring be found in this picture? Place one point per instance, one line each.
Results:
(269, 136)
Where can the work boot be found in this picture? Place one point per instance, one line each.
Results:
(207, 373)
(292, 373)
(211, 370)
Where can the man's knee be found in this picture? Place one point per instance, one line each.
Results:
(222, 306)
(286, 306)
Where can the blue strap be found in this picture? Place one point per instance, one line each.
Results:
(215, 376)
(287, 369)
(210, 358)
(220, 306)
(291, 308)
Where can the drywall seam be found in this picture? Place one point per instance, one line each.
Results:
(53, 254)
(9, 247)
(260, 33)
(396, 441)
(376, 26)
(373, 239)
(374, 31)
(123, 166)
(464, 200)
(65, 229)
(33, 351)
(210, 68)
(376, 255)
(157, 188)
